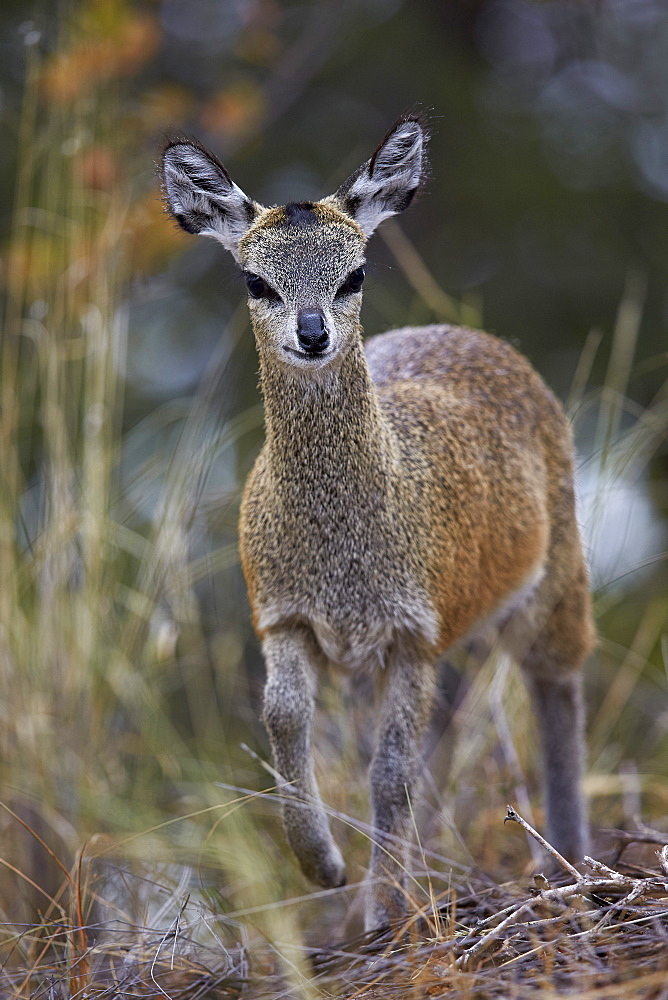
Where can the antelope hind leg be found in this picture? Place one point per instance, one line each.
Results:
(406, 703)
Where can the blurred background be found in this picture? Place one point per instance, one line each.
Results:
(130, 416)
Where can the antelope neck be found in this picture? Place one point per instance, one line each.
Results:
(328, 428)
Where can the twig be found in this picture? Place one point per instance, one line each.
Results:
(584, 887)
(662, 855)
(638, 836)
(627, 837)
(516, 818)
(565, 896)
(598, 866)
(464, 961)
(172, 931)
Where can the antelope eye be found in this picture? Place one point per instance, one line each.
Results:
(257, 288)
(353, 282)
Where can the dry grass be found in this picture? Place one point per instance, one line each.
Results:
(601, 934)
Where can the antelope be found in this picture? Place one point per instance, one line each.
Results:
(414, 492)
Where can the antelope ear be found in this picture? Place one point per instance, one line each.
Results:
(202, 197)
(386, 184)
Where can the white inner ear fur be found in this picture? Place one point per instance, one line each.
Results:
(385, 183)
(400, 158)
(203, 199)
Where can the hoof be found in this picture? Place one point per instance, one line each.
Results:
(328, 871)
(385, 905)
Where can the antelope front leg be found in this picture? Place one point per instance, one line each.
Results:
(407, 700)
(288, 716)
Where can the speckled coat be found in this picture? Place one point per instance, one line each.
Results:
(420, 492)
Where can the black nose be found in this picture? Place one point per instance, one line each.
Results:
(311, 333)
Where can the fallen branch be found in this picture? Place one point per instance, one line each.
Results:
(584, 895)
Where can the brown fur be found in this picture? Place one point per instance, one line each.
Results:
(410, 495)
